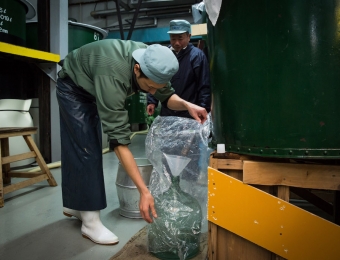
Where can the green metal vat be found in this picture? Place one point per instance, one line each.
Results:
(275, 71)
(136, 107)
(13, 14)
(79, 34)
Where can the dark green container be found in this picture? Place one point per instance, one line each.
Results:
(136, 107)
(275, 71)
(78, 35)
(13, 14)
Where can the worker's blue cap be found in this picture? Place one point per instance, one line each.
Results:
(179, 26)
(157, 62)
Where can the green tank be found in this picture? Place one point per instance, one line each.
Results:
(13, 14)
(79, 34)
(136, 107)
(275, 77)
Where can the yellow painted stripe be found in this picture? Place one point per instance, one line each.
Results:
(26, 52)
(269, 222)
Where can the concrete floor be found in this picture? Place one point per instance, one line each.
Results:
(32, 226)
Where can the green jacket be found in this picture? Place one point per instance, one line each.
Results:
(104, 69)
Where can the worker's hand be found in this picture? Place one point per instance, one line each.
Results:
(198, 113)
(150, 109)
(147, 204)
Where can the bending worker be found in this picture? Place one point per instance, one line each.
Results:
(92, 87)
(192, 81)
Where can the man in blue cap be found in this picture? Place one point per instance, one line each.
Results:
(192, 81)
(92, 87)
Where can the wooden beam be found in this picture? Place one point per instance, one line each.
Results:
(337, 207)
(18, 157)
(283, 193)
(212, 241)
(5, 168)
(23, 184)
(314, 199)
(325, 177)
(230, 164)
(18, 133)
(40, 160)
(25, 174)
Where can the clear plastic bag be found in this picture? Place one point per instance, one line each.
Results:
(178, 150)
(197, 10)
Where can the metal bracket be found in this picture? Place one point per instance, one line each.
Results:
(50, 69)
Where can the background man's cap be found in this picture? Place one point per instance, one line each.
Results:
(157, 62)
(179, 26)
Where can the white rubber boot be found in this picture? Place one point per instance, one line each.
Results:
(94, 229)
(71, 213)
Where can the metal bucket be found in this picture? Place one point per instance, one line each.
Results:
(127, 191)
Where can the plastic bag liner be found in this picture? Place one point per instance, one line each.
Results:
(178, 150)
(197, 10)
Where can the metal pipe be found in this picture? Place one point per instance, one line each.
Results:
(120, 20)
(122, 4)
(134, 19)
(89, 2)
(154, 24)
(109, 12)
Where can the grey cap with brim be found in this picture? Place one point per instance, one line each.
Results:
(179, 26)
(157, 62)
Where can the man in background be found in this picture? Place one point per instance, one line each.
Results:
(192, 81)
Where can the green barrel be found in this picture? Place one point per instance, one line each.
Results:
(13, 14)
(79, 34)
(275, 74)
(136, 107)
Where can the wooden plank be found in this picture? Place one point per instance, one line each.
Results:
(18, 157)
(314, 199)
(337, 207)
(24, 174)
(40, 160)
(225, 245)
(283, 193)
(213, 162)
(212, 241)
(325, 177)
(229, 164)
(225, 164)
(6, 135)
(5, 168)
(23, 184)
(270, 222)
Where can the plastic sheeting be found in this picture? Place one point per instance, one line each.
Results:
(197, 10)
(178, 150)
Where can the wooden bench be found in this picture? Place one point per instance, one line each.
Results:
(5, 159)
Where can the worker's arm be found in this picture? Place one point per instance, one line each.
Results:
(197, 112)
(152, 103)
(146, 202)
